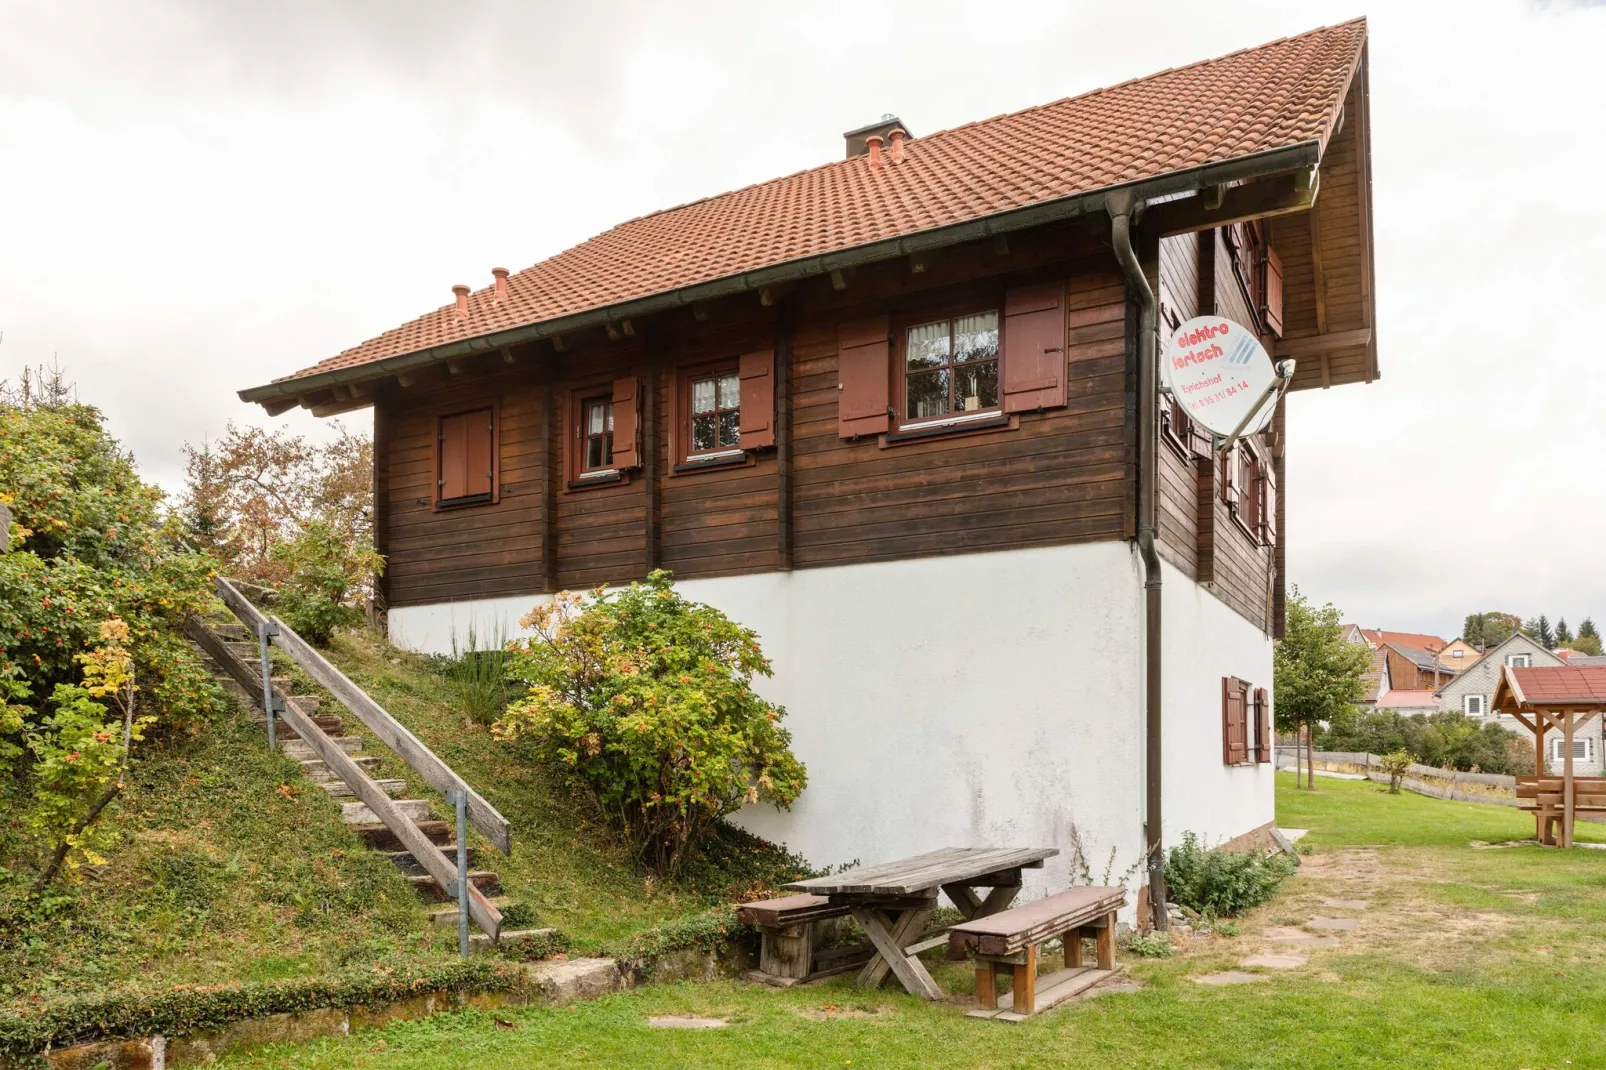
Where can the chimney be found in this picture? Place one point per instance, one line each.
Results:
(462, 300)
(874, 144)
(500, 292)
(858, 141)
(897, 136)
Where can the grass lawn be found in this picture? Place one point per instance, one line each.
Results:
(1466, 957)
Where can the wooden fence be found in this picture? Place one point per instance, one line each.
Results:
(1438, 783)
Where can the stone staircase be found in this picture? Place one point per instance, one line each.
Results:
(363, 821)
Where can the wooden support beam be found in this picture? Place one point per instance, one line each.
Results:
(783, 442)
(550, 452)
(1273, 196)
(507, 356)
(699, 312)
(280, 406)
(454, 367)
(406, 379)
(1312, 344)
(651, 484)
(770, 296)
(839, 280)
(1001, 245)
(558, 344)
(614, 334)
(918, 263)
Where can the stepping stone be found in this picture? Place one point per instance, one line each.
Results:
(1339, 924)
(1229, 977)
(1294, 835)
(1275, 962)
(675, 1021)
(1346, 904)
(1300, 939)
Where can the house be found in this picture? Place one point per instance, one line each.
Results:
(1459, 655)
(1376, 679)
(900, 413)
(1415, 640)
(1471, 693)
(1414, 669)
(1407, 701)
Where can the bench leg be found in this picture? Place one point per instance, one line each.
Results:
(1073, 949)
(787, 951)
(986, 984)
(1025, 991)
(1106, 943)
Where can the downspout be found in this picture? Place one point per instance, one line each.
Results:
(1121, 205)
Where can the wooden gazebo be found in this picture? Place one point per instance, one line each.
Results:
(1559, 697)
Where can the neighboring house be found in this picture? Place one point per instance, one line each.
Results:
(1415, 640)
(1470, 691)
(891, 413)
(1408, 702)
(1376, 679)
(1414, 669)
(1459, 655)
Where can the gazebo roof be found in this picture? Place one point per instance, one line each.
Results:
(1550, 687)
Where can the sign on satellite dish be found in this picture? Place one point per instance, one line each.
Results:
(1221, 374)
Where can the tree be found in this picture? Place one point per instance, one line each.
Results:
(1587, 644)
(1485, 630)
(1564, 634)
(1538, 629)
(1587, 633)
(1317, 674)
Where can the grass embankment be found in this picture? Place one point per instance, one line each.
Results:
(1471, 957)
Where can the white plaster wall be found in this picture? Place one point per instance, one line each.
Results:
(983, 699)
(1204, 641)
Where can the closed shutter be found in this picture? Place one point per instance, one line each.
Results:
(624, 423)
(1262, 725)
(465, 456)
(1268, 504)
(758, 399)
(864, 364)
(1034, 348)
(1271, 291)
(1227, 471)
(1234, 745)
(1249, 491)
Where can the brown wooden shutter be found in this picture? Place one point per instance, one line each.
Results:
(624, 423)
(864, 364)
(466, 456)
(1226, 459)
(758, 399)
(1033, 369)
(1266, 504)
(452, 444)
(480, 434)
(1271, 291)
(1234, 744)
(1262, 725)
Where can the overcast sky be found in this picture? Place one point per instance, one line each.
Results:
(200, 196)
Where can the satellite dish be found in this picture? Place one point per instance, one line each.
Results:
(1221, 374)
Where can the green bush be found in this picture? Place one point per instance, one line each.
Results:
(1448, 739)
(477, 674)
(1150, 945)
(324, 572)
(646, 700)
(1221, 883)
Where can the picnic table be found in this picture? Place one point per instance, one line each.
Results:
(892, 901)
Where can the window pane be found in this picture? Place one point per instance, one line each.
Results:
(730, 392)
(976, 337)
(594, 418)
(928, 394)
(594, 452)
(730, 428)
(607, 446)
(928, 345)
(702, 429)
(607, 407)
(702, 395)
(976, 386)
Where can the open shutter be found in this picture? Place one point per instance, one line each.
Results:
(1034, 347)
(1262, 725)
(1271, 291)
(452, 480)
(1228, 471)
(479, 437)
(864, 364)
(624, 423)
(1267, 507)
(1234, 745)
(758, 399)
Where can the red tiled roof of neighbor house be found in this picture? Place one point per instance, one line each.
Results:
(1430, 643)
(1286, 93)
(1562, 684)
(1408, 700)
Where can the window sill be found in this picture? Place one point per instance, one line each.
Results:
(950, 429)
(728, 459)
(465, 503)
(611, 477)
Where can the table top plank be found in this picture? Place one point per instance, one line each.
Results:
(925, 872)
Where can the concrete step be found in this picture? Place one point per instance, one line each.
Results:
(487, 881)
(481, 942)
(318, 772)
(409, 865)
(380, 838)
(302, 751)
(236, 633)
(446, 913)
(307, 704)
(331, 725)
(356, 813)
(339, 789)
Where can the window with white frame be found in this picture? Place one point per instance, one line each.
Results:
(1475, 705)
(1583, 749)
(1519, 661)
(1458, 653)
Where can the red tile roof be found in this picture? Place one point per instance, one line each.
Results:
(1282, 94)
(1408, 700)
(1562, 684)
(1430, 643)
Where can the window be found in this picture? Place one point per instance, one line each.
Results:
(716, 413)
(1458, 653)
(1583, 749)
(1519, 661)
(1474, 705)
(596, 454)
(466, 459)
(951, 366)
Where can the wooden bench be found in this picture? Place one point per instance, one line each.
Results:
(1007, 943)
(787, 929)
(1544, 798)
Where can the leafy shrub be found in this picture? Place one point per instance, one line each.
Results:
(324, 570)
(1221, 883)
(1395, 764)
(646, 700)
(478, 676)
(1152, 945)
(1448, 739)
